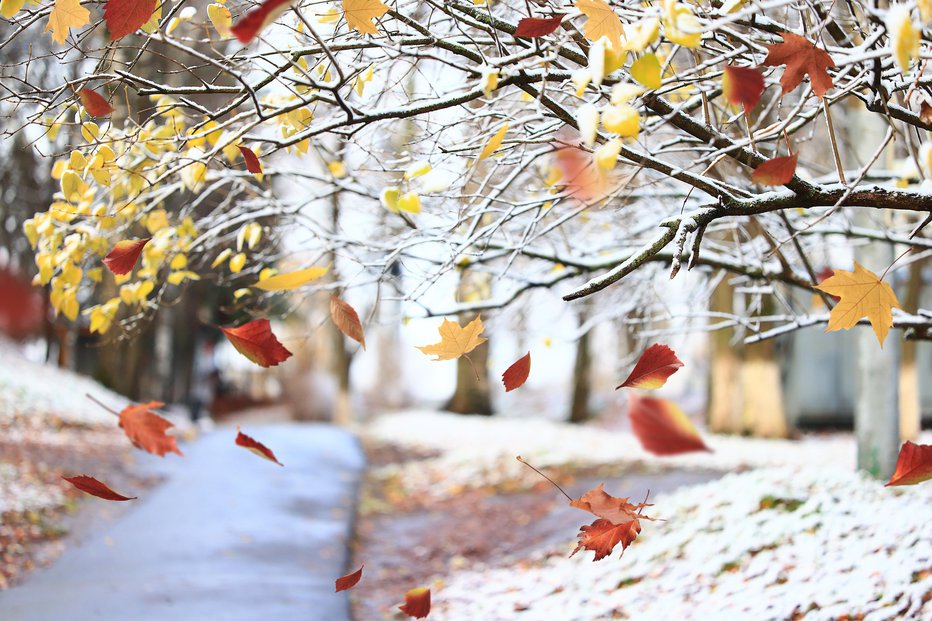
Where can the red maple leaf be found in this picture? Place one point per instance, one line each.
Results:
(256, 341)
(146, 429)
(801, 57)
(602, 536)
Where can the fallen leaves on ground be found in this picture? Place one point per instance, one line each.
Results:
(653, 368)
(255, 446)
(146, 429)
(801, 57)
(349, 580)
(92, 486)
(661, 426)
(515, 375)
(913, 465)
(124, 255)
(125, 17)
(346, 320)
(455, 341)
(863, 294)
(417, 603)
(256, 341)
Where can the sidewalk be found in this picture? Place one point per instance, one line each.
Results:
(228, 537)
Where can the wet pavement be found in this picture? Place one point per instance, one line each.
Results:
(228, 537)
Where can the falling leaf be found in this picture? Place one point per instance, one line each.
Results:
(742, 86)
(601, 504)
(646, 70)
(456, 341)
(252, 160)
(92, 486)
(904, 36)
(801, 57)
(776, 171)
(656, 364)
(619, 522)
(531, 27)
(94, 103)
(925, 112)
(417, 603)
(221, 18)
(124, 255)
(914, 465)
(247, 28)
(346, 320)
(863, 294)
(146, 429)
(360, 13)
(65, 15)
(517, 373)
(124, 17)
(349, 580)
(256, 447)
(291, 280)
(661, 426)
(256, 341)
(602, 21)
(493, 143)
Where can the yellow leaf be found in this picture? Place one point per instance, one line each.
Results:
(223, 256)
(646, 70)
(680, 25)
(623, 120)
(360, 13)
(641, 34)
(456, 341)
(221, 19)
(390, 196)
(489, 80)
(606, 155)
(291, 280)
(417, 169)
(409, 202)
(602, 21)
(9, 8)
(493, 143)
(237, 263)
(904, 37)
(862, 294)
(65, 15)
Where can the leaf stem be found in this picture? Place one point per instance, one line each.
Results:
(831, 135)
(101, 404)
(521, 459)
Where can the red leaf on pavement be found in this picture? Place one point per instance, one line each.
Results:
(661, 426)
(253, 164)
(146, 429)
(124, 17)
(256, 341)
(742, 86)
(258, 18)
(914, 465)
(346, 320)
(92, 486)
(801, 57)
(256, 447)
(349, 580)
(776, 171)
(515, 375)
(417, 603)
(656, 364)
(531, 27)
(124, 255)
(94, 102)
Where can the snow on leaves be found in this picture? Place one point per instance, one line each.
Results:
(863, 294)
(456, 340)
(656, 364)
(146, 429)
(256, 341)
(92, 486)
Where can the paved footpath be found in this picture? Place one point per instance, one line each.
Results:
(228, 537)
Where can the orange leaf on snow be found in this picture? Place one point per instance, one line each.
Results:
(801, 57)
(256, 447)
(531, 27)
(346, 320)
(94, 102)
(256, 341)
(656, 364)
(146, 429)
(661, 426)
(742, 86)
(863, 294)
(455, 341)
(602, 536)
(258, 18)
(914, 465)
(776, 171)
(124, 255)
(253, 164)
(92, 486)
(417, 603)
(349, 580)
(125, 17)
(515, 375)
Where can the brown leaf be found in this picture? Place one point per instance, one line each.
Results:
(602, 536)
(256, 447)
(661, 426)
(913, 465)
(349, 580)
(801, 57)
(124, 255)
(346, 320)
(92, 486)
(146, 429)
(256, 341)
(417, 603)
(515, 375)
(656, 364)
(925, 112)
(602, 504)
(776, 171)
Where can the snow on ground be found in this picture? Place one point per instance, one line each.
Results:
(19, 493)
(832, 544)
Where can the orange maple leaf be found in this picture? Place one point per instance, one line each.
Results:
(619, 522)
(146, 429)
(801, 57)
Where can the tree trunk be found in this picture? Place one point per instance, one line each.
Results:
(724, 409)
(582, 372)
(910, 401)
(472, 394)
